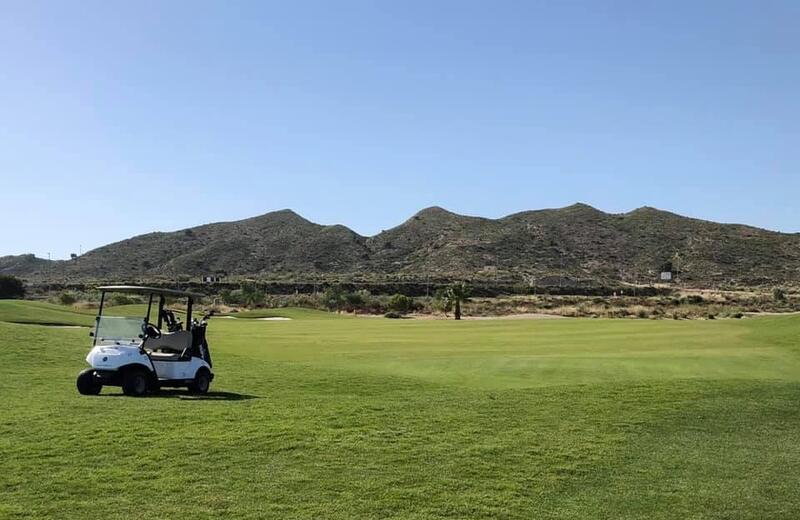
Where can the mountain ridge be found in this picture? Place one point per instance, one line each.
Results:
(576, 242)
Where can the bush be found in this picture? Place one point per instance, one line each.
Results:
(354, 301)
(252, 296)
(443, 304)
(67, 298)
(310, 301)
(334, 298)
(11, 287)
(401, 303)
(779, 295)
(124, 299)
(393, 315)
(230, 297)
(694, 299)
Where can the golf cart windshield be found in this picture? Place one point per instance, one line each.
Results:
(119, 328)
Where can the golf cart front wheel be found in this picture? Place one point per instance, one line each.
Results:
(87, 384)
(134, 382)
(202, 380)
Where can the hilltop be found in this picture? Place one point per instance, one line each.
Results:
(575, 244)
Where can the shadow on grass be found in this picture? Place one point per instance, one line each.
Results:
(53, 324)
(184, 394)
(210, 396)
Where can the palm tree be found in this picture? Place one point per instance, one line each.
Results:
(457, 294)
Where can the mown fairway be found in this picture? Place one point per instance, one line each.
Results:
(376, 418)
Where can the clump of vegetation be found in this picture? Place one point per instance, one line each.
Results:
(401, 303)
(355, 301)
(228, 297)
(248, 295)
(124, 299)
(693, 299)
(252, 296)
(67, 298)
(11, 287)
(441, 302)
(453, 297)
(779, 295)
(333, 298)
(686, 304)
(721, 304)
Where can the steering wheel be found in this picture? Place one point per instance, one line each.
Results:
(151, 331)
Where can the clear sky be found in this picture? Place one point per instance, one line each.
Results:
(119, 118)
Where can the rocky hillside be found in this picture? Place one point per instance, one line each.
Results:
(576, 244)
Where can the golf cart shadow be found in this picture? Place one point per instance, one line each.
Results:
(185, 394)
(210, 396)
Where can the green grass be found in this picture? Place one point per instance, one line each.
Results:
(294, 313)
(42, 313)
(19, 311)
(372, 418)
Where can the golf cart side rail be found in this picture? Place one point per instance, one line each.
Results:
(136, 289)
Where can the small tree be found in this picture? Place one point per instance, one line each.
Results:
(457, 294)
(11, 287)
(334, 298)
(67, 298)
(353, 300)
(401, 303)
(252, 296)
(442, 302)
(124, 299)
(779, 295)
(231, 297)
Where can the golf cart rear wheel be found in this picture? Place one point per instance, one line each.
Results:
(202, 380)
(87, 384)
(134, 382)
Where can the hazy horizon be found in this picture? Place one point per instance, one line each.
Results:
(127, 118)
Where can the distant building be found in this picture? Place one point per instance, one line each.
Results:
(213, 278)
(667, 272)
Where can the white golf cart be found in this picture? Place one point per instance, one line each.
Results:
(140, 356)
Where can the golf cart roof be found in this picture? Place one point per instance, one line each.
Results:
(149, 290)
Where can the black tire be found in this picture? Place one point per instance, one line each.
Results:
(87, 384)
(202, 380)
(135, 382)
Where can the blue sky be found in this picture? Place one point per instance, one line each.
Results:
(119, 118)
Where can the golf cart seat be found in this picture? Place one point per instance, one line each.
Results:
(175, 342)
